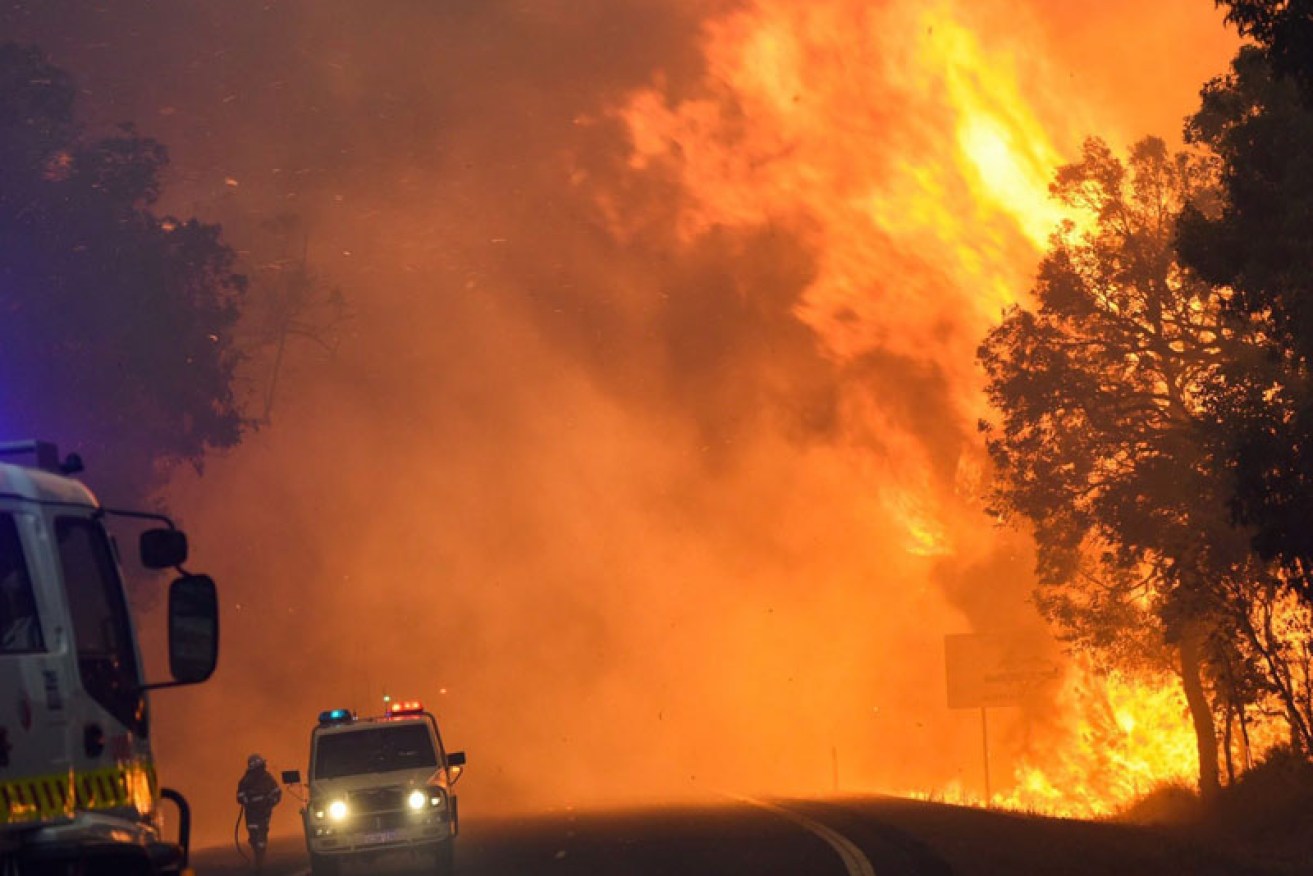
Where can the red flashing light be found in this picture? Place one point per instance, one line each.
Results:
(405, 707)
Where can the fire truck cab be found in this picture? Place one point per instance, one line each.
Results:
(379, 786)
(78, 789)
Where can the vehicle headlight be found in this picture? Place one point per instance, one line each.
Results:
(337, 810)
(436, 797)
(417, 799)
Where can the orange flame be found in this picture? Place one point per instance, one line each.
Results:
(911, 147)
(942, 183)
(1134, 735)
(902, 147)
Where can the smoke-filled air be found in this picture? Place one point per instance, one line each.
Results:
(641, 444)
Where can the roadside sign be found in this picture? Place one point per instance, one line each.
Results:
(985, 670)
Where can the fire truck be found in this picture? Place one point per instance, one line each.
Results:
(380, 786)
(78, 788)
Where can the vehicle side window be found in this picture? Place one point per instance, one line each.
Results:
(20, 626)
(101, 626)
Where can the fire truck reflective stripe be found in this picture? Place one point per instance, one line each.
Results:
(61, 791)
(41, 793)
(50, 793)
(35, 798)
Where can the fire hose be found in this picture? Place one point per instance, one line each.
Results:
(237, 843)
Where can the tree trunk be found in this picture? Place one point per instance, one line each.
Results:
(1244, 740)
(1201, 713)
(1228, 743)
(1232, 707)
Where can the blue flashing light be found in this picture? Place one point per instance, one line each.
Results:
(336, 716)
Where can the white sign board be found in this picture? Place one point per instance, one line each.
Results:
(998, 669)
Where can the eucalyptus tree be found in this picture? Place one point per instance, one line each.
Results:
(1258, 243)
(1104, 441)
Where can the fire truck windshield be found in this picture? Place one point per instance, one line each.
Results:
(374, 750)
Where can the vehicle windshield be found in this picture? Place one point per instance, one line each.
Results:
(374, 750)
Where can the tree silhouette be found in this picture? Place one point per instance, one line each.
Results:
(1259, 244)
(1284, 28)
(115, 322)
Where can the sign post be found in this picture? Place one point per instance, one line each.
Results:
(986, 670)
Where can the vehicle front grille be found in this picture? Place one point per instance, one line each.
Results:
(384, 821)
(376, 800)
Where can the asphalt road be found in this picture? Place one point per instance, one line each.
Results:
(838, 837)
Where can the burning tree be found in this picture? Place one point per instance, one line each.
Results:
(1108, 437)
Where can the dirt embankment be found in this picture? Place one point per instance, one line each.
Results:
(1260, 826)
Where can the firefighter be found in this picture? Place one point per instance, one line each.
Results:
(258, 793)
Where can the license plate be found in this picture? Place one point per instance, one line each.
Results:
(373, 839)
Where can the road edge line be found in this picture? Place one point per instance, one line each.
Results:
(853, 858)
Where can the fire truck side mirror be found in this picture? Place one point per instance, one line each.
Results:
(291, 777)
(455, 765)
(193, 628)
(163, 548)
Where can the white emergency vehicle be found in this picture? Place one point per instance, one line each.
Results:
(380, 786)
(78, 788)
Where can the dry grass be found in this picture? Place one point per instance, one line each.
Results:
(1269, 812)
(1261, 826)
(1265, 818)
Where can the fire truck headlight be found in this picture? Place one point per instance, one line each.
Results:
(337, 810)
(417, 799)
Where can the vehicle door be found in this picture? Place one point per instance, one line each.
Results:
(110, 731)
(35, 675)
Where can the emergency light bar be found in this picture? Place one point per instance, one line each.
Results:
(405, 707)
(44, 454)
(336, 716)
